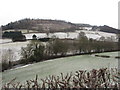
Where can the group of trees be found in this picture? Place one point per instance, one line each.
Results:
(21, 24)
(37, 51)
(14, 35)
(89, 46)
(33, 52)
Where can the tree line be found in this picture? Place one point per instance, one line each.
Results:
(37, 51)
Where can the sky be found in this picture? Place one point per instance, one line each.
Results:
(94, 12)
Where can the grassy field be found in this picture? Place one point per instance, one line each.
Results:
(112, 54)
(56, 66)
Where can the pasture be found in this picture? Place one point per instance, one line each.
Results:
(56, 66)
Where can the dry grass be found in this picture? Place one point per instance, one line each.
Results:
(102, 78)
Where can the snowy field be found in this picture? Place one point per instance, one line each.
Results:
(7, 44)
(5, 41)
(73, 35)
(15, 47)
(60, 35)
(97, 34)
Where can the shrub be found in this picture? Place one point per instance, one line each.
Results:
(102, 78)
(34, 52)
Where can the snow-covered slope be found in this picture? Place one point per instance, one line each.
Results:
(74, 35)
(98, 34)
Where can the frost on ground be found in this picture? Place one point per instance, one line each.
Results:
(40, 35)
(74, 35)
(7, 44)
(98, 34)
(5, 41)
(15, 49)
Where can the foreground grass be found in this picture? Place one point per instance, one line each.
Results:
(101, 78)
(56, 66)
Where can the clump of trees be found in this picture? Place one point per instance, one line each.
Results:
(85, 45)
(21, 24)
(14, 35)
(57, 47)
(11, 34)
(34, 52)
(37, 51)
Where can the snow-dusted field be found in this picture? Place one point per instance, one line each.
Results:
(73, 35)
(7, 44)
(5, 41)
(98, 34)
(40, 35)
(15, 47)
(60, 35)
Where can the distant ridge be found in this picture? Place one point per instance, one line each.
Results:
(108, 29)
(45, 25)
(41, 25)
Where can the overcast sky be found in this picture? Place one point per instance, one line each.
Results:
(94, 12)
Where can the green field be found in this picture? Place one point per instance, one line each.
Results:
(56, 66)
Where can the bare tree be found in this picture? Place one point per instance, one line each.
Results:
(7, 58)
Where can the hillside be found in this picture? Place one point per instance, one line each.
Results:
(109, 29)
(41, 25)
(106, 29)
(48, 25)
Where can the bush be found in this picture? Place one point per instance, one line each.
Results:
(34, 52)
(5, 66)
(102, 78)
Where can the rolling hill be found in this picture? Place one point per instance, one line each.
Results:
(41, 25)
(48, 25)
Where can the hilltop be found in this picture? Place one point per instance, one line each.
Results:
(41, 25)
(48, 25)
